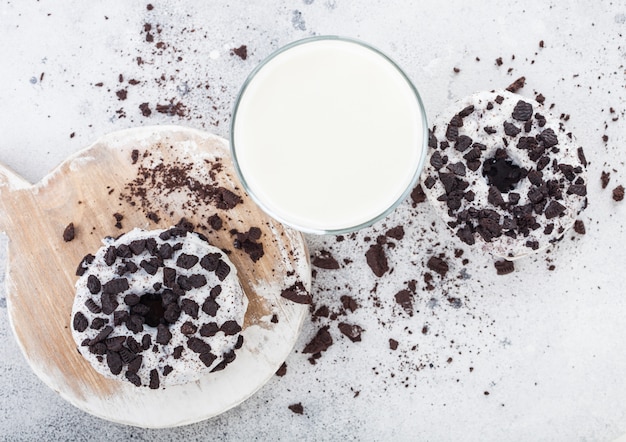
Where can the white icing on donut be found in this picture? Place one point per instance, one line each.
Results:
(189, 366)
(473, 126)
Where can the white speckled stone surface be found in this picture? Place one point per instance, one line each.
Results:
(538, 354)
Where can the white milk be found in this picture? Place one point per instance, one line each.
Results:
(328, 135)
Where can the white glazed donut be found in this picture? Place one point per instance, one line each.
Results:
(158, 308)
(504, 174)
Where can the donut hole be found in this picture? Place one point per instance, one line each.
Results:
(156, 312)
(501, 172)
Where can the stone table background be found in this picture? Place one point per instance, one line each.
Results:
(539, 354)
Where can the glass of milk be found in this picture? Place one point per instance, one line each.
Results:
(328, 135)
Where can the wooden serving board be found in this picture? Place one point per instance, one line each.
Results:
(153, 177)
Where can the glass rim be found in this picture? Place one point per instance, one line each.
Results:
(384, 213)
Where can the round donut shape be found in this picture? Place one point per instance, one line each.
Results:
(158, 308)
(504, 174)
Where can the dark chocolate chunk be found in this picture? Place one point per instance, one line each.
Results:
(115, 286)
(150, 266)
(169, 277)
(436, 161)
(437, 265)
(137, 246)
(230, 328)
(80, 322)
(114, 361)
(154, 379)
(102, 335)
(197, 281)
(466, 111)
(429, 182)
(222, 270)
(495, 196)
(208, 330)
(320, 342)
(120, 317)
(210, 261)
(504, 267)
(190, 307)
(146, 341)
(405, 299)
(115, 344)
(554, 209)
(523, 111)
(396, 233)
(548, 137)
(296, 408)
(135, 323)
(123, 251)
(618, 193)
(135, 364)
(325, 260)
(186, 261)
(163, 334)
(208, 358)
(516, 85)
(297, 293)
(166, 251)
(92, 306)
(377, 260)
(579, 227)
(352, 331)
(110, 256)
(210, 306)
(466, 235)
(198, 345)
(452, 132)
(131, 299)
(133, 378)
(108, 302)
(98, 323)
(178, 351)
(511, 130)
(172, 313)
(215, 291)
(581, 156)
(188, 328)
(577, 189)
(463, 142)
(215, 222)
(69, 232)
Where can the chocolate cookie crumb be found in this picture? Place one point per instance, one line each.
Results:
(605, 177)
(405, 299)
(393, 344)
(504, 267)
(325, 260)
(69, 232)
(118, 220)
(296, 408)
(145, 109)
(297, 293)
(352, 331)
(618, 193)
(438, 265)
(215, 222)
(282, 370)
(320, 342)
(377, 260)
(579, 227)
(516, 85)
(241, 52)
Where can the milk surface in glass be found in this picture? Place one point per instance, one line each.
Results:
(328, 135)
